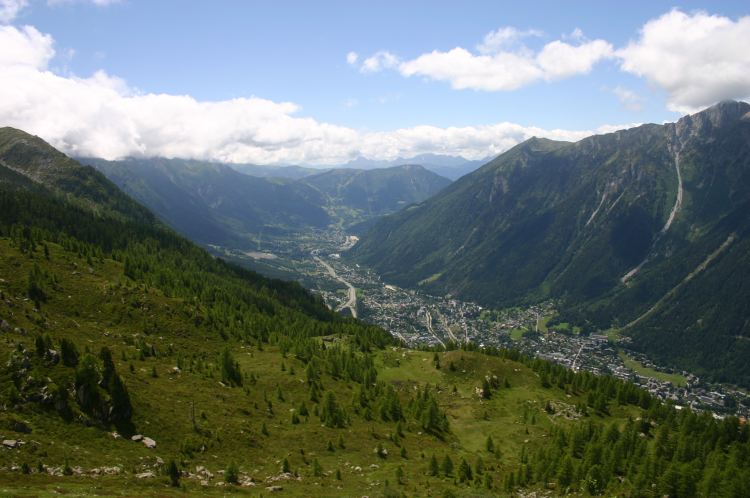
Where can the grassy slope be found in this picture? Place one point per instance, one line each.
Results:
(100, 307)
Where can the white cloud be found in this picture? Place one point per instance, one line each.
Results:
(502, 64)
(561, 60)
(9, 9)
(351, 58)
(628, 98)
(102, 116)
(25, 46)
(698, 59)
(379, 61)
(504, 37)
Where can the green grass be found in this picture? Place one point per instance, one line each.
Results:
(517, 334)
(430, 279)
(543, 323)
(613, 334)
(639, 368)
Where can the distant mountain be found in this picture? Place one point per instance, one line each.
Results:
(289, 172)
(646, 229)
(451, 167)
(212, 203)
(355, 195)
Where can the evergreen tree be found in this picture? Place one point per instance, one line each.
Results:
(174, 474)
(566, 473)
(399, 475)
(68, 353)
(121, 410)
(447, 466)
(434, 467)
(486, 389)
(464, 471)
(108, 366)
(489, 445)
(230, 369)
(331, 414)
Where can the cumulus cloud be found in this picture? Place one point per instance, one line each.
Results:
(102, 116)
(351, 58)
(502, 64)
(379, 61)
(25, 46)
(698, 58)
(9, 9)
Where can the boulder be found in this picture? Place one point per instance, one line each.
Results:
(149, 443)
(274, 489)
(137, 437)
(11, 443)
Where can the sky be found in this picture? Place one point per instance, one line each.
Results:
(321, 83)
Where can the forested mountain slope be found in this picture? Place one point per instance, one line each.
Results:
(212, 203)
(645, 229)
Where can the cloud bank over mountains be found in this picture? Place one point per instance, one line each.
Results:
(102, 116)
(696, 59)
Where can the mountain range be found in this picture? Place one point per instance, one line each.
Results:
(214, 204)
(451, 167)
(644, 230)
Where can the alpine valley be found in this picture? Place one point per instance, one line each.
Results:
(642, 232)
(137, 363)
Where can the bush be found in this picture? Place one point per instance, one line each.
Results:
(232, 474)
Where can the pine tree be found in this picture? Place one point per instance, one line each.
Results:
(68, 353)
(434, 467)
(479, 465)
(565, 473)
(122, 409)
(108, 366)
(230, 369)
(486, 389)
(332, 414)
(464, 471)
(174, 474)
(447, 466)
(490, 445)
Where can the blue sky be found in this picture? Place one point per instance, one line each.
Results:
(296, 52)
